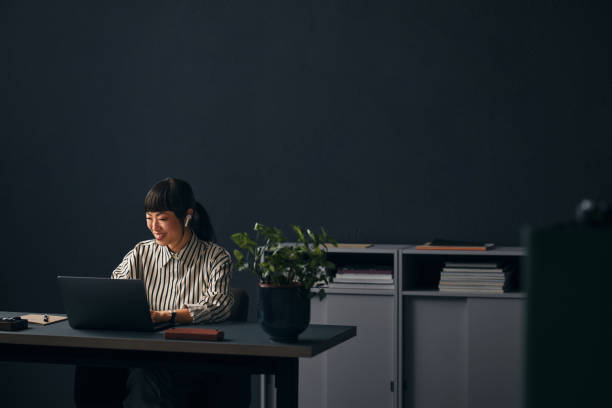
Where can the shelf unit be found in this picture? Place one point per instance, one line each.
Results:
(362, 372)
(458, 349)
(445, 349)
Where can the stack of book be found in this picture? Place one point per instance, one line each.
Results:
(474, 277)
(352, 275)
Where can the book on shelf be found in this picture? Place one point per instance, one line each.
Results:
(364, 270)
(357, 286)
(483, 274)
(475, 271)
(472, 279)
(446, 244)
(473, 265)
(475, 277)
(483, 285)
(363, 279)
(362, 276)
(473, 290)
(359, 274)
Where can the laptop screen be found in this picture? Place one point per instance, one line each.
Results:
(104, 303)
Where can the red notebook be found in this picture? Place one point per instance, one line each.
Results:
(191, 333)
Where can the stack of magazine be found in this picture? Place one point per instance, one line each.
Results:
(353, 276)
(474, 277)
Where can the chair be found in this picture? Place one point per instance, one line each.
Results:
(240, 309)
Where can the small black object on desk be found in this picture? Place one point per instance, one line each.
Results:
(13, 323)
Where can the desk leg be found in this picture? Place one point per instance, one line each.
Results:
(267, 389)
(286, 380)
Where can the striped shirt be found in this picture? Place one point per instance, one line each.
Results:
(197, 278)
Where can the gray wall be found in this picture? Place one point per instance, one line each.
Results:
(386, 121)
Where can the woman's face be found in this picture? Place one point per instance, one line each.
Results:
(166, 227)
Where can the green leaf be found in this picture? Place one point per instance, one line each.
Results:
(312, 236)
(239, 256)
(250, 242)
(273, 234)
(299, 233)
(240, 239)
(324, 234)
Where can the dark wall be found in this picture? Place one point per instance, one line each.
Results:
(387, 121)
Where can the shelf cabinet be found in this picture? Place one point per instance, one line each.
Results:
(443, 349)
(459, 349)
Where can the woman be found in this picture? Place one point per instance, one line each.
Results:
(187, 277)
(185, 274)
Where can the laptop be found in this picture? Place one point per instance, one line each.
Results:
(104, 303)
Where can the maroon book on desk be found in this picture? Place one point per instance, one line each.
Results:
(191, 333)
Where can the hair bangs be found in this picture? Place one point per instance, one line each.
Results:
(170, 194)
(157, 199)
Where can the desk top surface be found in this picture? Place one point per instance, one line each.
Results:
(241, 338)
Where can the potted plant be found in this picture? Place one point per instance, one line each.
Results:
(287, 273)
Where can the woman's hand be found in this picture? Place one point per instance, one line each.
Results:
(160, 316)
(182, 316)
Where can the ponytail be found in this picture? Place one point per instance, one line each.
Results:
(201, 224)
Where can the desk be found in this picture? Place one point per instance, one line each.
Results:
(245, 349)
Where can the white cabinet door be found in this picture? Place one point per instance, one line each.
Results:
(358, 372)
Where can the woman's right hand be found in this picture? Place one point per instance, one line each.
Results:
(160, 316)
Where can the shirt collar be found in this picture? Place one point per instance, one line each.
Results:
(186, 251)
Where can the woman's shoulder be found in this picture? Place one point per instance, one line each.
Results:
(146, 245)
(212, 250)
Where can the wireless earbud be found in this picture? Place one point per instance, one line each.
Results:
(187, 219)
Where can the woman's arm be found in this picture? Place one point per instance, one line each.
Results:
(182, 316)
(128, 268)
(215, 303)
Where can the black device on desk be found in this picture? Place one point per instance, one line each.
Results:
(13, 323)
(104, 303)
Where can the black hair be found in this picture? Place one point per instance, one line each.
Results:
(172, 194)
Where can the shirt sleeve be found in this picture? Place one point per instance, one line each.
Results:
(216, 300)
(128, 268)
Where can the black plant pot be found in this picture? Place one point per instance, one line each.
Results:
(284, 311)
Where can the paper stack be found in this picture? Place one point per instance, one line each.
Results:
(365, 275)
(474, 277)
